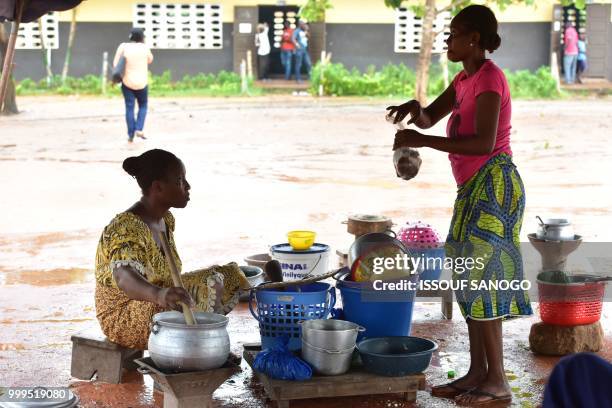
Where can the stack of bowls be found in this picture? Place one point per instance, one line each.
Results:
(328, 345)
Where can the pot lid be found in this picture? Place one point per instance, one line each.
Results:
(369, 218)
(316, 248)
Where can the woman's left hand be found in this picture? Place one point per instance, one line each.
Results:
(409, 138)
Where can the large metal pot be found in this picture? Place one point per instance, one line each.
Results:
(176, 346)
(328, 345)
(555, 229)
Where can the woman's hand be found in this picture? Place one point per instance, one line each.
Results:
(409, 138)
(412, 107)
(169, 298)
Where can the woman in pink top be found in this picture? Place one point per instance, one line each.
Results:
(570, 53)
(490, 202)
(134, 80)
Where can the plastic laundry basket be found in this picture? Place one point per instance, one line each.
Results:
(570, 304)
(279, 313)
(423, 241)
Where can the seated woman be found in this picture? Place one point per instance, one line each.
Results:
(133, 280)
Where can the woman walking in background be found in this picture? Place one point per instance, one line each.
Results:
(488, 210)
(137, 57)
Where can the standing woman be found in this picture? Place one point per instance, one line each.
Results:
(262, 42)
(287, 48)
(490, 202)
(133, 279)
(134, 87)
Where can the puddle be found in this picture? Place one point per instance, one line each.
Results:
(11, 346)
(49, 277)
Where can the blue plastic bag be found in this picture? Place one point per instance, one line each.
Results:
(279, 363)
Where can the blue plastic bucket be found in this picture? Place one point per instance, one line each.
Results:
(434, 261)
(279, 313)
(378, 312)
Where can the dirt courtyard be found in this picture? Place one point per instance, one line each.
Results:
(258, 167)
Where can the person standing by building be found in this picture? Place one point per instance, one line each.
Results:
(490, 203)
(287, 49)
(134, 84)
(300, 38)
(262, 42)
(582, 58)
(570, 53)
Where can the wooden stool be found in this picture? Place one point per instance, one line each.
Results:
(93, 353)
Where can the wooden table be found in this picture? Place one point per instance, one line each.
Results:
(355, 382)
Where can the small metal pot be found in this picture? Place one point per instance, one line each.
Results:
(327, 362)
(327, 345)
(555, 229)
(176, 346)
(331, 334)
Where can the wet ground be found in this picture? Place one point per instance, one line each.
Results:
(259, 168)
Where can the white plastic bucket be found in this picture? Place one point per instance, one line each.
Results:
(297, 264)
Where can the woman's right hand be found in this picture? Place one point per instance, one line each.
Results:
(169, 298)
(412, 107)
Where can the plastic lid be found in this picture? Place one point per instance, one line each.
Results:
(316, 248)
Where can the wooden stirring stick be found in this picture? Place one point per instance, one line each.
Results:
(176, 277)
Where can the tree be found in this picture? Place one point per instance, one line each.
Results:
(10, 101)
(429, 12)
(43, 48)
(313, 11)
(73, 22)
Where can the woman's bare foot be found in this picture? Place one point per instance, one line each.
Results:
(460, 386)
(488, 392)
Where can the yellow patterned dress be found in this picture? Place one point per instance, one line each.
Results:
(128, 241)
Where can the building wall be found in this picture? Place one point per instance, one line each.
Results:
(360, 45)
(103, 24)
(93, 39)
(343, 11)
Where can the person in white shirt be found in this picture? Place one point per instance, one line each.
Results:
(262, 42)
(134, 83)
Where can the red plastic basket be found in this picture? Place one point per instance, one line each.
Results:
(571, 304)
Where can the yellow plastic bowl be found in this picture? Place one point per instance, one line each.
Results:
(301, 240)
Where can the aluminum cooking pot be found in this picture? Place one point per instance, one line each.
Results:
(176, 346)
(554, 229)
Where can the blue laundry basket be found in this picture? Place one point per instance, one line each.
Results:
(279, 313)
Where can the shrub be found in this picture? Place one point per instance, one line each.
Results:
(224, 84)
(399, 81)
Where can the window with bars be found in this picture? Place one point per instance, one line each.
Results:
(180, 26)
(30, 37)
(279, 20)
(409, 29)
